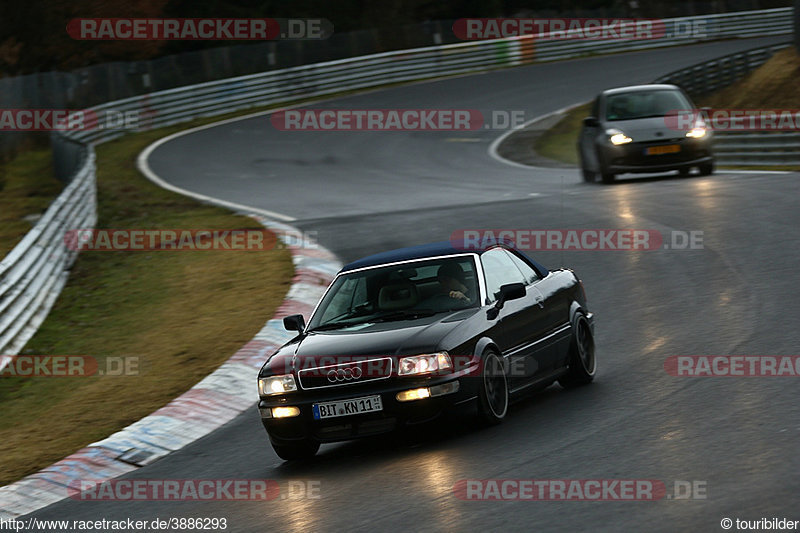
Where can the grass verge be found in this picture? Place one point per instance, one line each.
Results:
(182, 314)
(27, 187)
(559, 141)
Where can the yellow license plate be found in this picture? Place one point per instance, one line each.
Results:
(663, 149)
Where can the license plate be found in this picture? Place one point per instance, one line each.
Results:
(354, 406)
(663, 149)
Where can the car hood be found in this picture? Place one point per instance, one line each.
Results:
(395, 339)
(647, 129)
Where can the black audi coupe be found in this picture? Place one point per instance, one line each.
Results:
(402, 336)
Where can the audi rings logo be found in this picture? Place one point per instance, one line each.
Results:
(344, 374)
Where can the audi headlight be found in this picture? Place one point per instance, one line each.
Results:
(424, 364)
(276, 385)
(617, 137)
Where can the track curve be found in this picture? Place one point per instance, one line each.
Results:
(368, 192)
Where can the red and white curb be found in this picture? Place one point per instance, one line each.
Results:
(213, 402)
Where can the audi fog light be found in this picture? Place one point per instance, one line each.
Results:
(285, 412)
(413, 394)
(428, 392)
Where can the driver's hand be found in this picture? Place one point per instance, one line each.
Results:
(458, 295)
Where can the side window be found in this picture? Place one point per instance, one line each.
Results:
(499, 269)
(527, 270)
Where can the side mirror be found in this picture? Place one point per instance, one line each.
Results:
(511, 291)
(294, 323)
(591, 122)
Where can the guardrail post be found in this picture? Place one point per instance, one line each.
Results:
(797, 25)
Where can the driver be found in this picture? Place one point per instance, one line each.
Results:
(452, 282)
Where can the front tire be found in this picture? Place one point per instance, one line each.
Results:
(588, 175)
(493, 395)
(582, 363)
(706, 169)
(608, 177)
(304, 449)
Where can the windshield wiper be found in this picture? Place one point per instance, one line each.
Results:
(404, 315)
(332, 325)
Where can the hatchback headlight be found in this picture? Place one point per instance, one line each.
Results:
(424, 364)
(617, 137)
(276, 385)
(696, 133)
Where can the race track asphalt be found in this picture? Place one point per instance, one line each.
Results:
(367, 192)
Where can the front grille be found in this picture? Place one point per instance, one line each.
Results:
(343, 374)
(357, 428)
(634, 154)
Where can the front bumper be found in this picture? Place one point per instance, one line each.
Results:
(632, 157)
(395, 414)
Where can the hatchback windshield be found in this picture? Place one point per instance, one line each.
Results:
(644, 104)
(399, 292)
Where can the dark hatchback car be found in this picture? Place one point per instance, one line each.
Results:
(402, 336)
(643, 128)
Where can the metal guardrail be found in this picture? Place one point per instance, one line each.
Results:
(678, 31)
(752, 148)
(721, 72)
(32, 275)
(34, 272)
(773, 148)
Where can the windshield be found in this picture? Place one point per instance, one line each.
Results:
(645, 104)
(399, 292)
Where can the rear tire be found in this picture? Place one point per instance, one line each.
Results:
(582, 363)
(493, 395)
(304, 449)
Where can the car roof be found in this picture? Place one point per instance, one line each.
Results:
(635, 88)
(434, 249)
